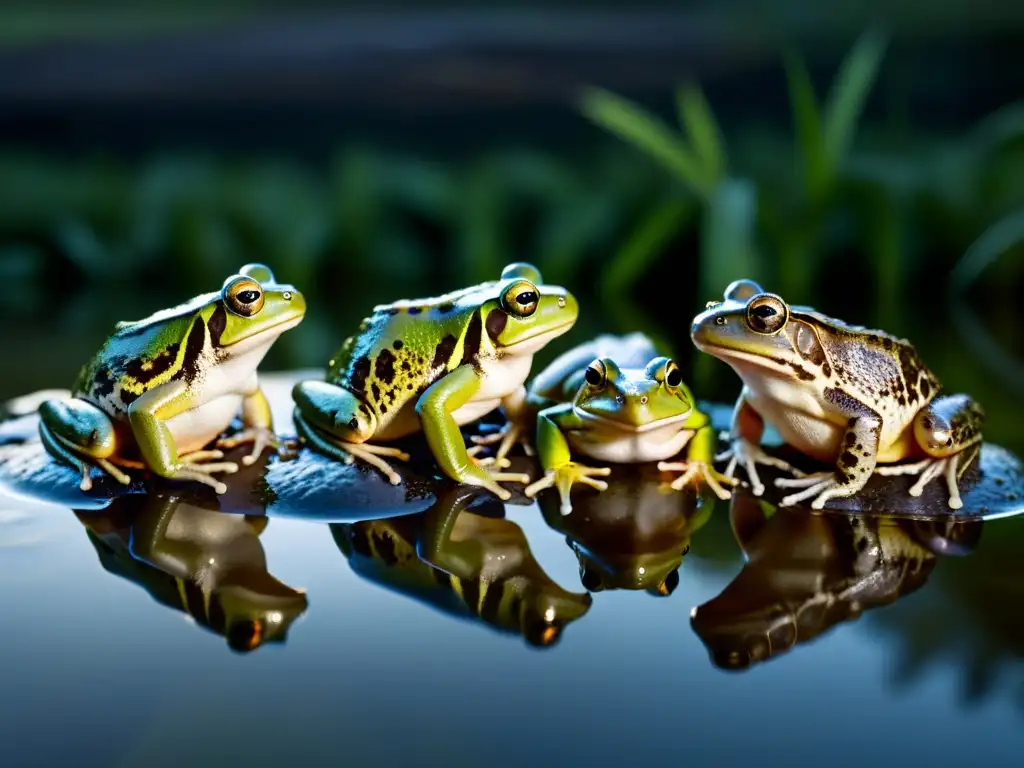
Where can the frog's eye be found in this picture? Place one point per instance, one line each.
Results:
(596, 374)
(244, 297)
(767, 314)
(520, 299)
(673, 376)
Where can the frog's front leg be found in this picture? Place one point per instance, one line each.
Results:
(948, 430)
(435, 408)
(79, 434)
(259, 428)
(560, 471)
(700, 454)
(338, 424)
(745, 449)
(856, 462)
(147, 417)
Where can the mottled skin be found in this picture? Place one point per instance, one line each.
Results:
(200, 561)
(464, 563)
(621, 415)
(160, 389)
(434, 365)
(859, 399)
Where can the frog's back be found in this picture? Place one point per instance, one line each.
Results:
(403, 348)
(875, 362)
(140, 356)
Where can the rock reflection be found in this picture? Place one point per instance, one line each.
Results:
(806, 572)
(633, 536)
(206, 563)
(463, 557)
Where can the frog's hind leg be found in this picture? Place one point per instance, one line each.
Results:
(949, 431)
(331, 420)
(80, 435)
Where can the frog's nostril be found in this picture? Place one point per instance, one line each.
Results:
(643, 400)
(561, 301)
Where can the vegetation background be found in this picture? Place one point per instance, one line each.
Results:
(864, 158)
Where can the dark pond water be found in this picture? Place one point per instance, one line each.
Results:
(643, 628)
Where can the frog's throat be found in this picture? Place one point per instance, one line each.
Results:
(265, 337)
(634, 428)
(749, 360)
(536, 341)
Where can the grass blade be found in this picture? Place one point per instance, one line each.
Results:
(849, 93)
(806, 123)
(635, 125)
(705, 137)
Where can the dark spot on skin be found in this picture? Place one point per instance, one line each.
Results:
(353, 423)
(157, 365)
(901, 400)
(447, 307)
(471, 345)
(384, 408)
(925, 388)
(384, 368)
(406, 366)
(408, 386)
(375, 392)
(218, 322)
(862, 544)
(826, 368)
(193, 350)
(128, 397)
(415, 310)
(360, 373)
(802, 373)
(103, 383)
(443, 352)
(847, 459)
(398, 344)
(850, 439)
(496, 322)
(365, 409)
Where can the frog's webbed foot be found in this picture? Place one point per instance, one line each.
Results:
(510, 433)
(821, 485)
(486, 461)
(743, 452)
(952, 467)
(563, 477)
(260, 437)
(696, 471)
(67, 453)
(488, 478)
(347, 452)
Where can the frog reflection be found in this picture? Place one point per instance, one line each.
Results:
(635, 535)
(806, 572)
(207, 563)
(466, 562)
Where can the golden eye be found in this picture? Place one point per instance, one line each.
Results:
(243, 296)
(596, 374)
(520, 298)
(767, 314)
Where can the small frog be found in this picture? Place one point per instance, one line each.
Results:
(859, 399)
(436, 364)
(160, 389)
(621, 415)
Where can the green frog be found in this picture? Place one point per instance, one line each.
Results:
(623, 415)
(858, 399)
(468, 561)
(434, 365)
(161, 389)
(203, 562)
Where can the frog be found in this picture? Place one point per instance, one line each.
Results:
(431, 366)
(860, 400)
(160, 389)
(622, 415)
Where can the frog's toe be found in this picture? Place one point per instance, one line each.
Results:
(260, 437)
(821, 485)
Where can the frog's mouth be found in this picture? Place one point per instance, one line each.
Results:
(533, 343)
(750, 360)
(625, 426)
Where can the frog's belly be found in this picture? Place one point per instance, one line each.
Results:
(816, 437)
(196, 427)
(622, 447)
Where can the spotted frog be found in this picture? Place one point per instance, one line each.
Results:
(856, 398)
(434, 365)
